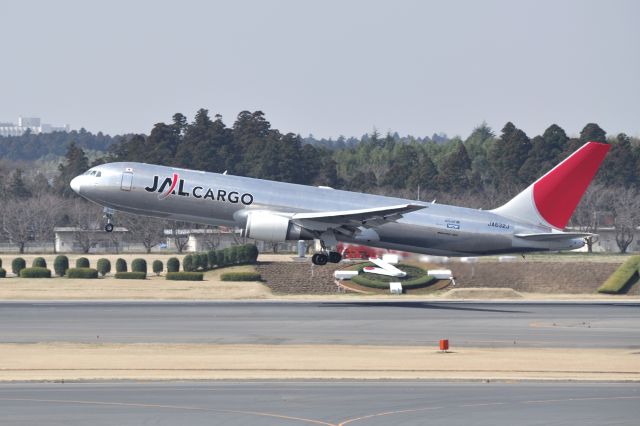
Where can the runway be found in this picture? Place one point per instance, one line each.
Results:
(320, 403)
(522, 324)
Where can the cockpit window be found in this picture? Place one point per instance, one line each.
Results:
(98, 174)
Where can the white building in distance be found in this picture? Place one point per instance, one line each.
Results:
(33, 124)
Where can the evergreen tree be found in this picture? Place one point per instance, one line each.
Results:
(546, 151)
(618, 168)
(509, 154)
(454, 170)
(75, 163)
(16, 187)
(424, 176)
(592, 133)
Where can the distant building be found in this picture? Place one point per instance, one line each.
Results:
(33, 124)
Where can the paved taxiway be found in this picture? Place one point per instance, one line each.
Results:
(320, 403)
(526, 324)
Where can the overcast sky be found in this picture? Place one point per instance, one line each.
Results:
(328, 68)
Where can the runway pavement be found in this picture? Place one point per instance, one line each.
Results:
(526, 324)
(320, 403)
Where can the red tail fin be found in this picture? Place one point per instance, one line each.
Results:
(552, 199)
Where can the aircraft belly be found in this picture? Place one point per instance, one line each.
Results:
(436, 240)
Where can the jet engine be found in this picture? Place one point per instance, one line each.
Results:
(267, 226)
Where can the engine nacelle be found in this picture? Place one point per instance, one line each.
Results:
(272, 227)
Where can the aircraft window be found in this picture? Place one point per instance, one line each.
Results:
(93, 173)
(98, 174)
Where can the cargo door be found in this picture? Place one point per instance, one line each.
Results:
(127, 181)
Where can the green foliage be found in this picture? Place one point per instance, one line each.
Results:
(130, 275)
(76, 163)
(82, 262)
(35, 273)
(17, 265)
(240, 276)
(139, 265)
(157, 267)
(203, 261)
(173, 264)
(252, 253)
(416, 277)
(103, 266)
(212, 258)
(626, 274)
(188, 264)
(31, 146)
(3, 273)
(121, 265)
(87, 273)
(60, 265)
(0, 263)
(185, 276)
(39, 262)
(233, 255)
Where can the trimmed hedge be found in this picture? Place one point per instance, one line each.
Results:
(35, 273)
(131, 275)
(203, 261)
(0, 263)
(121, 265)
(82, 262)
(234, 255)
(3, 273)
(626, 274)
(139, 265)
(60, 265)
(212, 258)
(157, 267)
(39, 262)
(416, 278)
(187, 263)
(17, 265)
(82, 273)
(103, 266)
(240, 276)
(418, 282)
(173, 264)
(184, 276)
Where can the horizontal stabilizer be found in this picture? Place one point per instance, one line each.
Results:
(554, 236)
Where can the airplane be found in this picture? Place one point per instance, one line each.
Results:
(533, 221)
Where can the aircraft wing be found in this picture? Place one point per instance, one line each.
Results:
(321, 221)
(554, 236)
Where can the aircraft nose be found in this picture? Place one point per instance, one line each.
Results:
(75, 184)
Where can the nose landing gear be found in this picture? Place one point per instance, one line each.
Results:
(108, 214)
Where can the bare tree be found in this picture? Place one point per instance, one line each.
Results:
(18, 218)
(211, 237)
(146, 230)
(587, 215)
(86, 218)
(625, 208)
(180, 239)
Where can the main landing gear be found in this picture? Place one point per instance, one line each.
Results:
(108, 214)
(325, 256)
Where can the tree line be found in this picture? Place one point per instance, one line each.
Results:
(482, 171)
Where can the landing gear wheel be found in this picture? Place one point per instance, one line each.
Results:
(108, 227)
(319, 259)
(335, 257)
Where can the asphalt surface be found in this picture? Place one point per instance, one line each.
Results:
(581, 325)
(323, 403)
